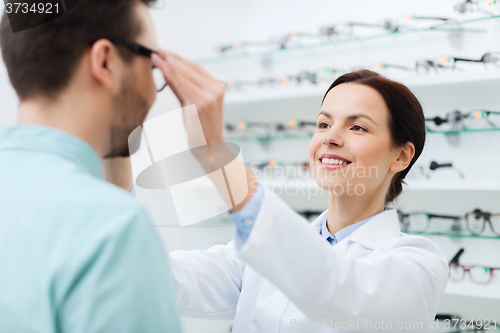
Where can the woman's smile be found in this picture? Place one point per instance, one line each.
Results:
(332, 161)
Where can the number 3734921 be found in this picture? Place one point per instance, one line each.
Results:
(33, 8)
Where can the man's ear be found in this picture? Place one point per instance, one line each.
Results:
(403, 157)
(102, 66)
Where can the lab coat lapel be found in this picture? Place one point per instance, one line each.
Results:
(316, 224)
(378, 231)
(374, 233)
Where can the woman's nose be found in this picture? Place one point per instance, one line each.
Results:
(332, 138)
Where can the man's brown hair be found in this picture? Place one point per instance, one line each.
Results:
(42, 60)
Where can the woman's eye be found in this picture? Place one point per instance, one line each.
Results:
(358, 128)
(322, 125)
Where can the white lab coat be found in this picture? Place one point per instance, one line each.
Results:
(286, 278)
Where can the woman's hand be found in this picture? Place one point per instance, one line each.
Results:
(191, 84)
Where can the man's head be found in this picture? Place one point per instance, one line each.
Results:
(72, 55)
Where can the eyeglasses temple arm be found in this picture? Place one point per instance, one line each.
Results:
(456, 258)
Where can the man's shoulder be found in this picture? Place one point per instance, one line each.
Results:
(102, 200)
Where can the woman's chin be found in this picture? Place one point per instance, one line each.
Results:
(328, 184)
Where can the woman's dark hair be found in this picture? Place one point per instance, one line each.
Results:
(406, 117)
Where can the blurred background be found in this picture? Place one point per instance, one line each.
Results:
(278, 58)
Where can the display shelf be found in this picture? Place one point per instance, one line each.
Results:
(412, 185)
(452, 185)
(443, 27)
(467, 288)
(309, 136)
(416, 82)
(422, 233)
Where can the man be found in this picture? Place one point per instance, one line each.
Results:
(78, 254)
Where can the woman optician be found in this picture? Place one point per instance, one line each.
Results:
(351, 269)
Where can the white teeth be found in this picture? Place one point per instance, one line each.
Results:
(333, 161)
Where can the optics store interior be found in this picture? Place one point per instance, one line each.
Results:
(277, 60)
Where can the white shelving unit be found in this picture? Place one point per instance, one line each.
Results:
(419, 83)
(466, 288)
(413, 185)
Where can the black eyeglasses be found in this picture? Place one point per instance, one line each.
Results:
(487, 58)
(158, 76)
(421, 222)
(456, 118)
(418, 171)
(477, 220)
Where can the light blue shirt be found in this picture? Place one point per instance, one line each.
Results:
(245, 217)
(77, 254)
(342, 233)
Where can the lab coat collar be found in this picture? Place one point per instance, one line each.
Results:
(376, 232)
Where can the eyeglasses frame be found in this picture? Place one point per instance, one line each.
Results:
(403, 217)
(137, 48)
(467, 269)
(486, 217)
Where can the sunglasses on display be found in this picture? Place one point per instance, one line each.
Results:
(158, 76)
(478, 274)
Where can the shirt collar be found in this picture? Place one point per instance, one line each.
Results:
(345, 232)
(53, 141)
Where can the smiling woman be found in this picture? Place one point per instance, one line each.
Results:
(374, 122)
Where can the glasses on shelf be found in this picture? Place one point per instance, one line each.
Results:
(474, 6)
(242, 46)
(474, 222)
(478, 274)
(477, 220)
(420, 221)
(487, 58)
(428, 64)
(309, 215)
(458, 120)
(271, 129)
(158, 76)
(418, 171)
(387, 25)
(326, 75)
